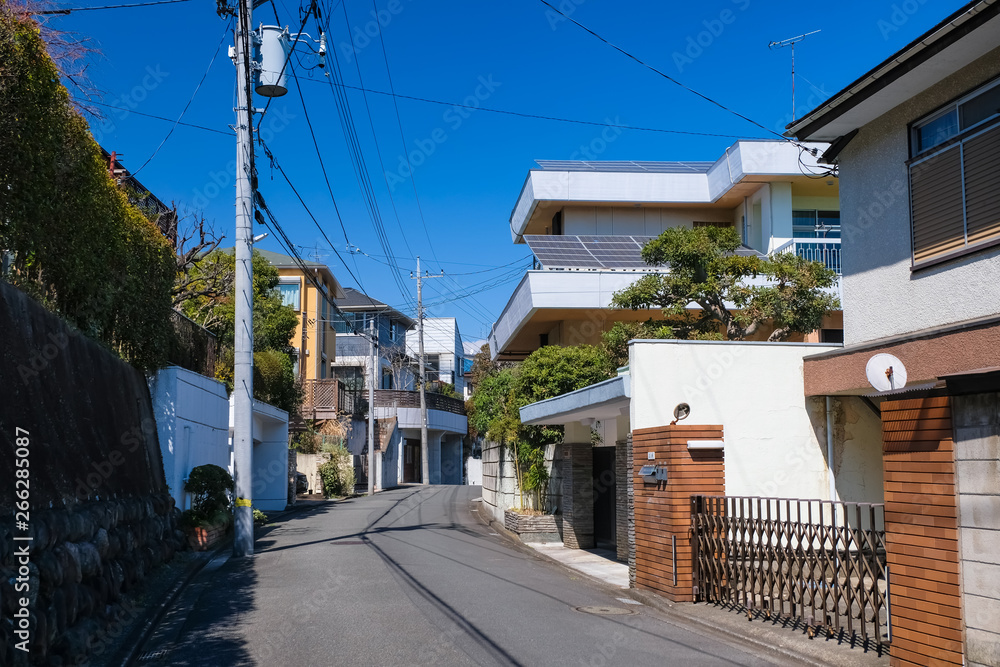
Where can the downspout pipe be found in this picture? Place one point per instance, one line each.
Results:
(829, 447)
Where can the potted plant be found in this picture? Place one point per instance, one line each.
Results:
(211, 512)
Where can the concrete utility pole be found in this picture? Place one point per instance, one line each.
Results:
(424, 459)
(371, 406)
(243, 368)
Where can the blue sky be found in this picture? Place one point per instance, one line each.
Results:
(468, 165)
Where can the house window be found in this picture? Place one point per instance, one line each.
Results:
(811, 224)
(352, 377)
(290, 294)
(952, 187)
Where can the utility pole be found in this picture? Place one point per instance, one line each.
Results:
(424, 458)
(371, 406)
(243, 368)
(791, 41)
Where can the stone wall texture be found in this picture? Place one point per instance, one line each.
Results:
(100, 514)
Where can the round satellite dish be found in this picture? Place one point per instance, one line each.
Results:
(886, 372)
(681, 412)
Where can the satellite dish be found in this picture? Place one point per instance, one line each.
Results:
(681, 412)
(886, 372)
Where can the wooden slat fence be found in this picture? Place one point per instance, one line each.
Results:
(820, 563)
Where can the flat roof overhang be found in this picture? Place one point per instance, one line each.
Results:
(928, 354)
(965, 36)
(604, 400)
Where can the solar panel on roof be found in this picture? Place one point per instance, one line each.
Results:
(627, 166)
(587, 252)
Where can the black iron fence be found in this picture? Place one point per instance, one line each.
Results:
(815, 562)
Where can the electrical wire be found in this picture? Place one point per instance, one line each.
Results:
(661, 72)
(535, 116)
(225, 31)
(169, 120)
(68, 10)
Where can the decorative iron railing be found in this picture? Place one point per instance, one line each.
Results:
(821, 563)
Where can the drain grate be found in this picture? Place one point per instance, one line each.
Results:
(600, 610)
(150, 656)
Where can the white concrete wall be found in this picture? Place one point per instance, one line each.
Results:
(881, 296)
(192, 422)
(308, 465)
(632, 221)
(388, 470)
(270, 457)
(775, 437)
(474, 472)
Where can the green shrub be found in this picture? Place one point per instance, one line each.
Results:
(337, 473)
(212, 488)
(259, 517)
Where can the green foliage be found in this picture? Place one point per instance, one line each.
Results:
(77, 243)
(274, 381)
(212, 488)
(444, 389)
(273, 322)
(494, 409)
(259, 517)
(615, 340)
(273, 327)
(307, 441)
(705, 269)
(337, 473)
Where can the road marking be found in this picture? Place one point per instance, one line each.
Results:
(629, 601)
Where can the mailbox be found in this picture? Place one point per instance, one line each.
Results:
(652, 474)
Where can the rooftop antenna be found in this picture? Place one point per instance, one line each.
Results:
(791, 41)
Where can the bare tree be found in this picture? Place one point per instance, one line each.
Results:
(400, 366)
(203, 279)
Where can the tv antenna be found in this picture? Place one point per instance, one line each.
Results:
(791, 41)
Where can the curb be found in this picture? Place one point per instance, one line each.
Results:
(156, 615)
(153, 619)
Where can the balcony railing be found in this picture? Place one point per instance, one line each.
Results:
(325, 399)
(388, 398)
(826, 251)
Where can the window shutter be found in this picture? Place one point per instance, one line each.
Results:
(936, 201)
(982, 185)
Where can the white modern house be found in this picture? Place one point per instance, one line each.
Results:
(444, 353)
(585, 222)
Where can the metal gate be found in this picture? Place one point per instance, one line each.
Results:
(812, 562)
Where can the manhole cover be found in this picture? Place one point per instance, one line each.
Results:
(605, 611)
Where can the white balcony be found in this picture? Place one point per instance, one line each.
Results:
(826, 251)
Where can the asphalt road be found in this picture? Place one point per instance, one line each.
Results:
(412, 577)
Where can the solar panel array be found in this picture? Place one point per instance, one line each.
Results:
(627, 166)
(588, 252)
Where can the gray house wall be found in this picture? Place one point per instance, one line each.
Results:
(876, 230)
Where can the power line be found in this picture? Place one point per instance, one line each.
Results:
(535, 116)
(225, 31)
(68, 10)
(662, 73)
(169, 120)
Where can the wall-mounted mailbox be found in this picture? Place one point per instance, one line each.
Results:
(706, 444)
(661, 473)
(652, 474)
(647, 471)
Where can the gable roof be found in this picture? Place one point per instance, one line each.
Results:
(358, 302)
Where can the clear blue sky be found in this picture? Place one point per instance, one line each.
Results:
(472, 164)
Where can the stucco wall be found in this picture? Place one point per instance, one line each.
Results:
(775, 437)
(881, 297)
(192, 422)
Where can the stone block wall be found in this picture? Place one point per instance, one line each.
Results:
(578, 495)
(622, 460)
(976, 420)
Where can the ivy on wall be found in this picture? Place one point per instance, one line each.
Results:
(70, 236)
